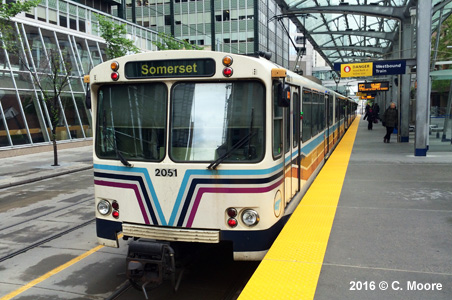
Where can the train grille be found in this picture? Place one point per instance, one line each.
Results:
(171, 234)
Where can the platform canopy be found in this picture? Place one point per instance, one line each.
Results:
(442, 74)
(356, 30)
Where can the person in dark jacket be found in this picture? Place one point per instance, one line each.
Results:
(376, 109)
(370, 116)
(390, 120)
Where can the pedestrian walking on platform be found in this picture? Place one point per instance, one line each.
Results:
(376, 109)
(370, 116)
(390, 120)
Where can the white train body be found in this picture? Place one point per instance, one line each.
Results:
(189, 147)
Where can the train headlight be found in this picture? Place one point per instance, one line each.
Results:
(103, 207)
(250, 217)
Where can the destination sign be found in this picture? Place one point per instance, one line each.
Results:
(395, 67)
(170, 68)
(373, 86)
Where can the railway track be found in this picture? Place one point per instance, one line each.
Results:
(44, 241)
(208, 274)
(121, 291)
(208, 271)
(49, 212)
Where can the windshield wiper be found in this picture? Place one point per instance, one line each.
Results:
(123, 160)
(237, 145)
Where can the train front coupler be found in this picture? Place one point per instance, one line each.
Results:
(149, 263)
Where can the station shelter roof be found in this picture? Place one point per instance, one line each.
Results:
(356, 30)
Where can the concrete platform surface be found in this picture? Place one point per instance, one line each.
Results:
(392, 233)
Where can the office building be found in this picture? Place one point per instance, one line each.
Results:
(71, 29)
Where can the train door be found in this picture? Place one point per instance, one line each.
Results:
(327, 122)
(296, 139)
(338, 117)
(344, 104)
(288, 151)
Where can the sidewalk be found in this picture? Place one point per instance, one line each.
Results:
(33, 167)
(392, 224)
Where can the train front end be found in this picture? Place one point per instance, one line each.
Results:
(183, 151)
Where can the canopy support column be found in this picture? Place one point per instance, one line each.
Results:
(404, 123)
(423, 43)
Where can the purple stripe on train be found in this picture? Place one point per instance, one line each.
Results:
(201, 191)
(127, 186)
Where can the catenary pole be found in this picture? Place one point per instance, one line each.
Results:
(423, 43)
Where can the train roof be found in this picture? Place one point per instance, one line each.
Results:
(175, 54)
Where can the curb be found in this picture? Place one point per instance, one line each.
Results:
(46, 176)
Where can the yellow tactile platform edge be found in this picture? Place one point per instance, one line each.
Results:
(291, 268)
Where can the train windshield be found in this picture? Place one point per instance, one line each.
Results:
(211, 121)
(131, 122)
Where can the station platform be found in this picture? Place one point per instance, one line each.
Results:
(375, 224)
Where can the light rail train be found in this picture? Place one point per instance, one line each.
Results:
(207, 147)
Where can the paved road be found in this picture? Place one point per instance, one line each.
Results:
(46, 224)
(49, 250)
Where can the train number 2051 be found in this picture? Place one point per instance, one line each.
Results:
(166, 172)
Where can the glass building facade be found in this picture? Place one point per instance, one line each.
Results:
(71, 30)
(236, 26)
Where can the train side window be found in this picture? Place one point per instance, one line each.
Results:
(330, 110)
(337, 110)
(287, 127)
(315, 114)
(321, 123)
(307, 121)
(277, 122)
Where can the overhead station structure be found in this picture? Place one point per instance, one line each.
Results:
(381, 39)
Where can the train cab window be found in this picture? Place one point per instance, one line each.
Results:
(307, 120)
(131, 122)
(277, 123)
(217, 119)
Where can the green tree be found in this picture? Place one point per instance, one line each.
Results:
(444, 53)
(114, 35)
(53, 74)
(52, 82)
(7, 11)
(168, 42)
